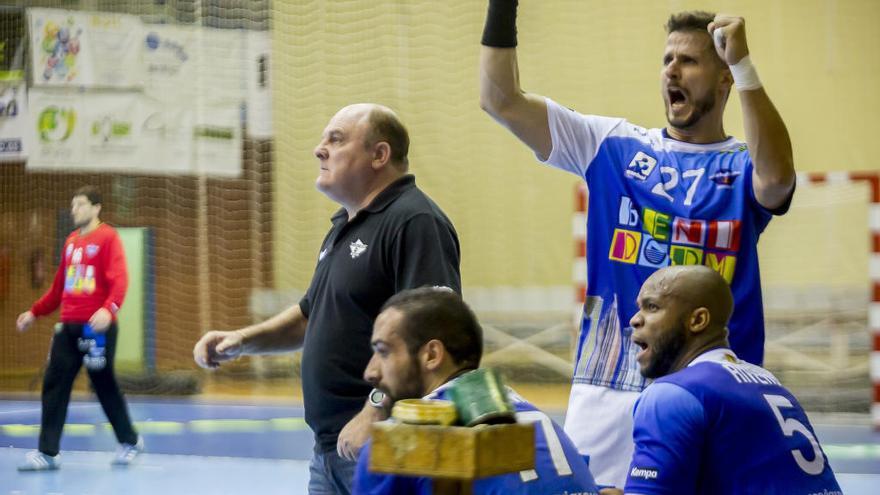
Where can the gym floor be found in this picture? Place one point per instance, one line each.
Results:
(217, 444)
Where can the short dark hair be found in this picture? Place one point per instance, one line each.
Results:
(439, 313)
(385, 126)
(90, 192)
(691, 20)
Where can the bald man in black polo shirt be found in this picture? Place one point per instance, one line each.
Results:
(387, 237)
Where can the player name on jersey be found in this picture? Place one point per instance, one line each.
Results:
(746, 373)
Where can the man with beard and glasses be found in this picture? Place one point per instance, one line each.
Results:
(422, 341)
(710, 422)
(685, 194)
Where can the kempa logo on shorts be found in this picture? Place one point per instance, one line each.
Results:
(644, 473)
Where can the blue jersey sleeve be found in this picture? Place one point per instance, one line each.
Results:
(668, 431)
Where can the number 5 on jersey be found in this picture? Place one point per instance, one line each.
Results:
(790, 426)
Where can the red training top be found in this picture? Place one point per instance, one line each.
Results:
(92, 275)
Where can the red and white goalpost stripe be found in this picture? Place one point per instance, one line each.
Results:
(579, 271)
(872, 179)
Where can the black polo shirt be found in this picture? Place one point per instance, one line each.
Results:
(402, 240)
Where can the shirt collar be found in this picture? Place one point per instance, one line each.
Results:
(448, 383)
(717, 355)
(436, 392)
(384, 198)
(728, 144)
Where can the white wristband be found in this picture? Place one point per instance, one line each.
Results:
(744, 75)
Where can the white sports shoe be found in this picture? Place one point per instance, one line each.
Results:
(38, 461)
(126, 453)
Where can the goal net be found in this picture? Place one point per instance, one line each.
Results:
(815, 272)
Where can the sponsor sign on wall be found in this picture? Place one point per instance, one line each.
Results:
(217, 141)
(88, 49)
(12, 44)
(259, 87)
(13, 122)
(129, 132)
(113, 94)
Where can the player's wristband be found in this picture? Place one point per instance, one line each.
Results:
(500, 28)
(745, 77)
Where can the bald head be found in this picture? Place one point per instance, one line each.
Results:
(683, 312)
(381, 125)
(696, 286)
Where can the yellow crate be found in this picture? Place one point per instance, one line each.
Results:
(452, 451)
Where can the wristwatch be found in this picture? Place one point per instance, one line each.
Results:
(377, 398)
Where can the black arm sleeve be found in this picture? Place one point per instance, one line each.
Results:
(500, 28)
(305, 305)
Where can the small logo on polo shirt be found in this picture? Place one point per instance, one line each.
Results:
(357, 248)
(92, 250)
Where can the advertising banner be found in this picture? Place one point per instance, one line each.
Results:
(13, 122)
(217, 141)
(129, 132)
(114, 95)
(259, 87)
(82, 131)
(194, 65)
(12, 43)
(87, 49)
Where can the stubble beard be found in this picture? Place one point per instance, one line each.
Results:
(701, 108)
(666, 350)
(410, 385)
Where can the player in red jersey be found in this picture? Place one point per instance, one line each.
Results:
(89, 286)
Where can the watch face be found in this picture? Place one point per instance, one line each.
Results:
(376, 397)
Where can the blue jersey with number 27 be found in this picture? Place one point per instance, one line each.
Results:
(559, 469)
(724, 426)
(654, 202)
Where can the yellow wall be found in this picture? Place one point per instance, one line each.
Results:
(819, 60)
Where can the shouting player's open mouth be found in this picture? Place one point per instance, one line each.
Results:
(677, 98)
(643, 345)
